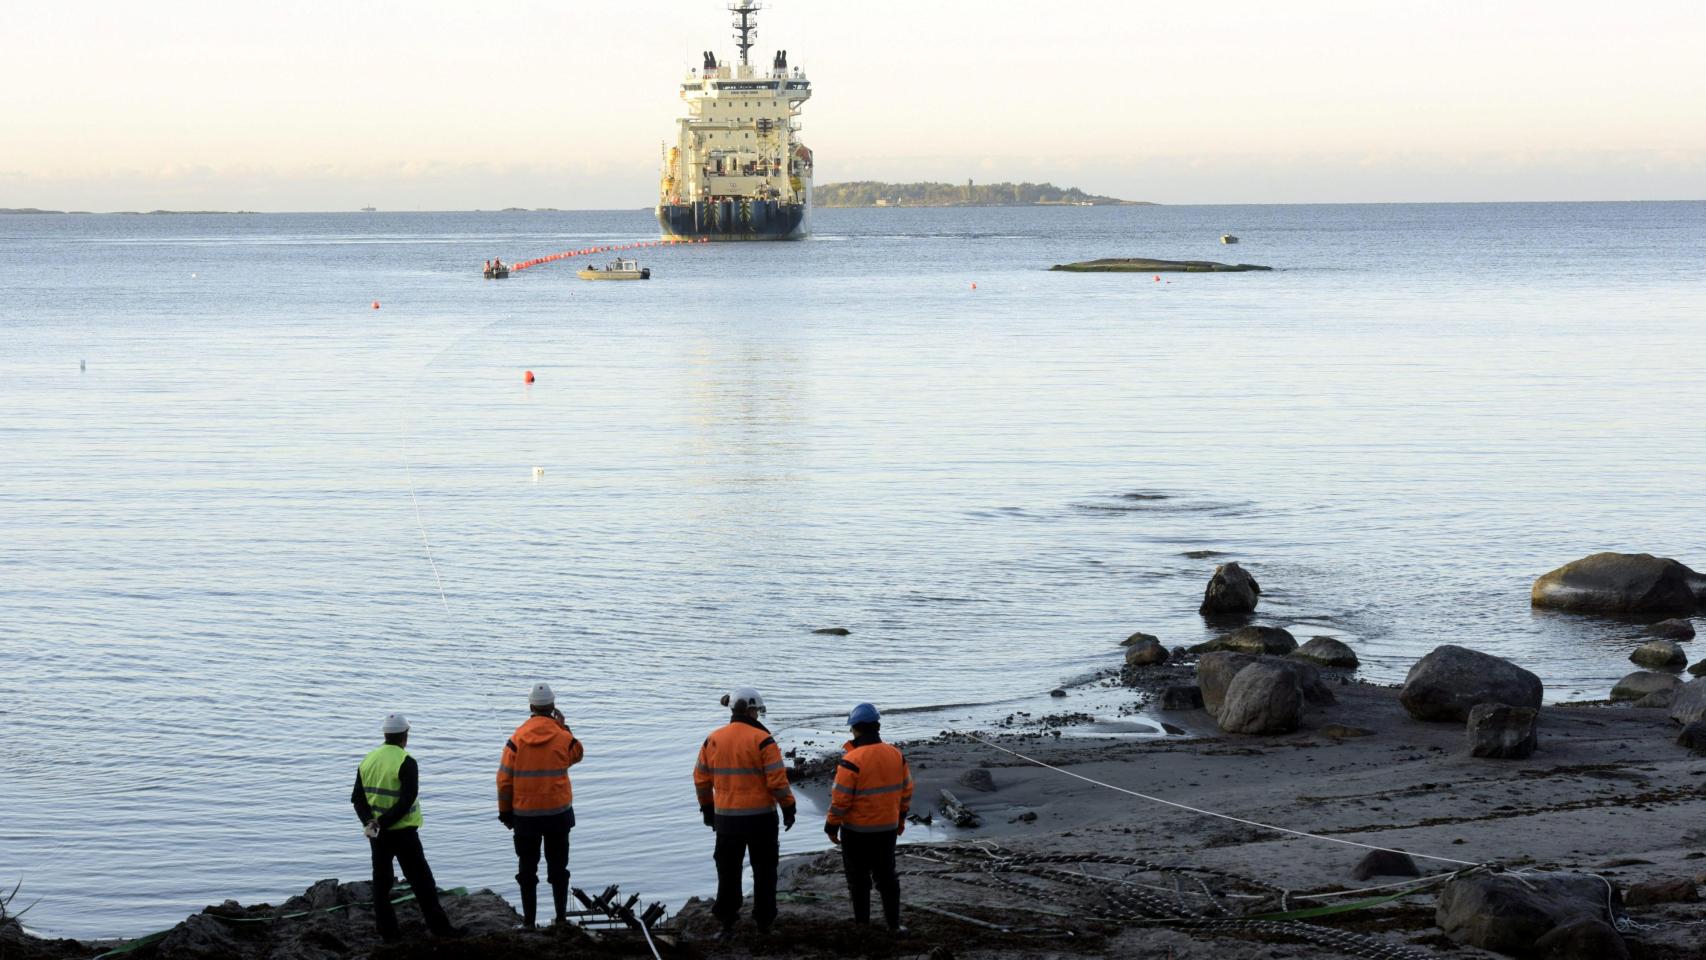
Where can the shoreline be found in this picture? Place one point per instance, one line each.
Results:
(1607, 793)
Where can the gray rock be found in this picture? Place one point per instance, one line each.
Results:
(1660, 654)
(1385, 863)
(1501, 731)
(1446, 683)
(1057, 692)
(1215, 672)
(977, 778)
(1689, 704)
(1146, 653)
(833, 631)
(1674, 629)
(1139, 637)
(1508, 914)
(1182, 697)
(1264, 697)
(1657, 700)
(1627, 583)
(1230, 591)
(1327, 652)
(1643, 682)
(1699, 669)
(1582, 940)
(1270, 640)
(1693, 737)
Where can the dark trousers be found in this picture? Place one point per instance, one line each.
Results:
(869, 858)
(758, 842)
(556, 847)
(404, 846)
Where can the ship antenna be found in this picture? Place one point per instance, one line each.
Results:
(746, 25)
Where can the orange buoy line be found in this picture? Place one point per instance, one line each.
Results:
(587, 251)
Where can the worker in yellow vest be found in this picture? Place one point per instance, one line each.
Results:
(387, 799)
(867, 814)
(741, 781)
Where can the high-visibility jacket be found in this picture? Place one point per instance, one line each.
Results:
(740, 771)
(382, 782)
(873, 788)
(533, 775)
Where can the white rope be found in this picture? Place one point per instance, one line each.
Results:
(654, 947)
(1223, 816)
(419, 522)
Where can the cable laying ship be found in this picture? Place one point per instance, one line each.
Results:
(737, 170)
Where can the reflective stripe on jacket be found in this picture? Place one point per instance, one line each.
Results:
(740, 771)
(873, 788)
(533, 776)
(382, 782)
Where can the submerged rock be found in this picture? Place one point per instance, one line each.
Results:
(1662, 654)
(1673, 629)
(1446, 683)
(1327, 652)
(1508, 914)
(833, 631)
(1264, 697)
(1230, 591)
(1643, 682)
(1622, 583)
(1499, 730)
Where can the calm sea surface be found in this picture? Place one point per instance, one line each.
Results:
(213, 582)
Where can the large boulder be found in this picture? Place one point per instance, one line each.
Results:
(1660, 654)
(1264, 697)
(1689, 704)
(1230, 591)
(1216, 671)
(1271, 640)
(1643, 682)
(1675, 628)
(1627, 583)
(1502, 731)
(1327, 652)
(1582, 940)
(1508, 914)
(1446, 683)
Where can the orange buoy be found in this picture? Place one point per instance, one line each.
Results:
(376, 304)
(974, 284)
(527, 377)
(1158, 278)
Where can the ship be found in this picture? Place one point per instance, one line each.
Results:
(738, 170)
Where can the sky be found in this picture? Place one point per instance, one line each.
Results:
(311, 105)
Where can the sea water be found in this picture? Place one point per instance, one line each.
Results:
(245, 514)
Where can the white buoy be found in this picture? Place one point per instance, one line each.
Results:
(538, 474)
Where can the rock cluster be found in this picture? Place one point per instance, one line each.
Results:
(1264, 703)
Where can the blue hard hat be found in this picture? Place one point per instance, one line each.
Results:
(863, 713)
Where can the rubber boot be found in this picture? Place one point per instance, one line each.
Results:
(560, 896)
(529, 905)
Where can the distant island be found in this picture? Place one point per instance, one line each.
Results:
(875, 193)
(133, 213)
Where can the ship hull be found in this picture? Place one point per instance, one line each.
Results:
(733, 219)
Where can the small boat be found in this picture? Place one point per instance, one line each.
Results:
(1228, 238)
(621, 268)
(499, 272)
(369, 209)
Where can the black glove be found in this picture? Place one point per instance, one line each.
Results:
(507, 819)
(834, 831)
(709, 813)
(788, 818)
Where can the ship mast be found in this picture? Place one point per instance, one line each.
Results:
(746, 26)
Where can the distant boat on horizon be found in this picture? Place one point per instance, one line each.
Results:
(369, 209)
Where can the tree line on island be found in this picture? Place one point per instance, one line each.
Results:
(875, 193)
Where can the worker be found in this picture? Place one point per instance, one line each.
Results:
(536, 801)
(386, 798)
(867, 814)
(741, 781)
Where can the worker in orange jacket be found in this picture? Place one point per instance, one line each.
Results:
(741, 780)
(867, 814)
(536, 801)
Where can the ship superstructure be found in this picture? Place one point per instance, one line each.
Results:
(737, 170)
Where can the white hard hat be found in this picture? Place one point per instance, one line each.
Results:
(744, 698)
(395, 723)
(541, 696)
